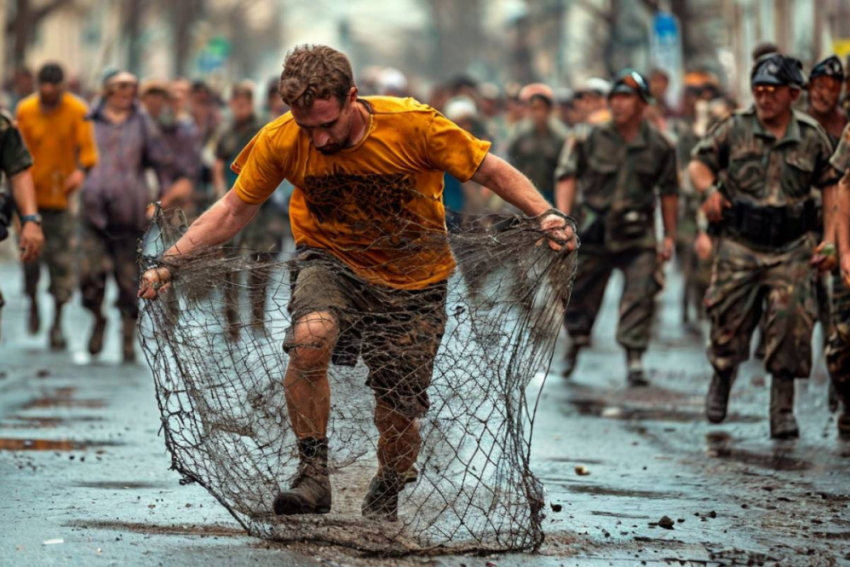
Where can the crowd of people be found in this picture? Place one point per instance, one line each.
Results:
(736, 196)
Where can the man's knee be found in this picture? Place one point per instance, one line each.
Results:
(310, 341)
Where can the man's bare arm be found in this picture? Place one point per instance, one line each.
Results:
(701, 176)
(670, 214)
(511, 185)
(565, 194)
(515, 188)
(216, 226)
(830, 212)
(31, 236)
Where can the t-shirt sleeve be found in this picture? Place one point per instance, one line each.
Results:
(14, 156)
(713, 150)
(841, 158)
(452, 149)
(261, 169)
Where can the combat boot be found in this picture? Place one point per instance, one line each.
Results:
(96, 339)
(35, 317)
(636, 376)
(381, 502)
(128, 335)
(782, 422)
(571, 359)
(57, 338)
(310, 491)
(717, 400)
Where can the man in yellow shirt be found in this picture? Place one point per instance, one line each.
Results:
(368, 219)
(61, 140)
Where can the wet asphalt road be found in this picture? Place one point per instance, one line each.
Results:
(81, 461)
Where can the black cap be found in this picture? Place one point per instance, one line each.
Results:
(51, 73)
(777, 70)
(630, 81)
(829, 67)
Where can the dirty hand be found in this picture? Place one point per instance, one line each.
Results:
(31, 241)
(560, 233)
(714, 205)
(154, 282)
(825, 257)
(665, 252)
(74, 181)
(703, 246)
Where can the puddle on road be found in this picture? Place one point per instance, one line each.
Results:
(35, 422)
(7, 444)
(118, 485)
(63, 397)
(149, 529)
(599, 408)
(617, 515)
(597, 490)
(720, 447)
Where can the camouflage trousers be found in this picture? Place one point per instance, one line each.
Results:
(57, 254)
(642, 282)
(838, 344)
(747, 283)
(102, 253)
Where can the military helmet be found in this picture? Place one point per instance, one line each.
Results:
(630, 81)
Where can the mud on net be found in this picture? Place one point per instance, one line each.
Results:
(214, 344)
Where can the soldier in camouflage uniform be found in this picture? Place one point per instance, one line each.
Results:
(825, 82)
(614, 170)
(15, 164)
(770, 159)
(838, 346)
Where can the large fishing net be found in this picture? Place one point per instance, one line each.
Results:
(215, 344)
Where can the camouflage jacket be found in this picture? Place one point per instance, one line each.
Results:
(618, 183)
(760, 170)
(14, 156)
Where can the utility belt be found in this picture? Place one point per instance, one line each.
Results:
(599, 226)
(770, 227)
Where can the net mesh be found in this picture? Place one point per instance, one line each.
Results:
(472, 351)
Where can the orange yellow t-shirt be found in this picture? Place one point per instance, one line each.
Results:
(378, 205)
(60, 140)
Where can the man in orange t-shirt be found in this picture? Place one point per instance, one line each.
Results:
(61, 140)
(368, 219)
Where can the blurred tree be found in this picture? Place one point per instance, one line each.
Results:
(458, 35)
(184, 14)
(22, 21)
(132, 17)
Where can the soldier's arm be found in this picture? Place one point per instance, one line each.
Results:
(566, 173)
(701, 176)
(565, 194)
(843, 224)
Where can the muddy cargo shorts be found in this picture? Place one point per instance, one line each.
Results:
(397, 332)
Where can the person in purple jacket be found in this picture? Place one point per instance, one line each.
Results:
(114, 202)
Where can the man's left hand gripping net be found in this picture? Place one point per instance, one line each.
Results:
(214, 343)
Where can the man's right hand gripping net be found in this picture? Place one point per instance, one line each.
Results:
(470, 366)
